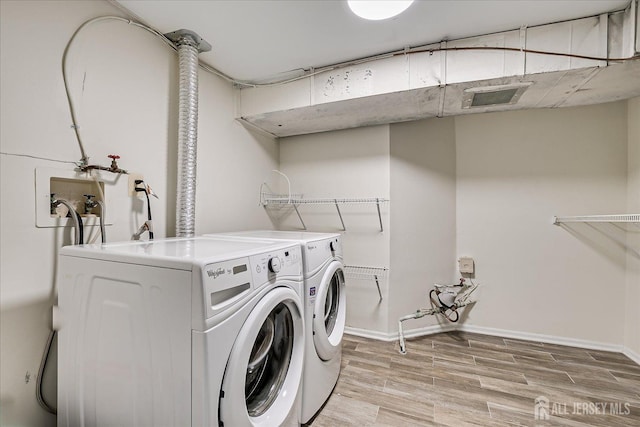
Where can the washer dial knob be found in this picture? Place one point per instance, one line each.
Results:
(274, 265)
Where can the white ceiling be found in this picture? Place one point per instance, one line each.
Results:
(260, 40)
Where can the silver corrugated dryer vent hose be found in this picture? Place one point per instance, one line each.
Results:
(189, 44)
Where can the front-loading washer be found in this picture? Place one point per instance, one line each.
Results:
(324, 310)
(179, 332)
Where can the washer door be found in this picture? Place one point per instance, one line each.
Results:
(329, 312)
(264, 371)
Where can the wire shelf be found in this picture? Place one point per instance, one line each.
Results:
(277, 199)
(295, 200)
(357, 272)
(624, 218)
(365, 273)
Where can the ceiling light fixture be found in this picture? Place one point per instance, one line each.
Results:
(377, 10)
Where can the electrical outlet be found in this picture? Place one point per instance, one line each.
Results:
(466, 265)
(132, 184)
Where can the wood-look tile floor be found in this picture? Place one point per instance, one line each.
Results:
(463, 379)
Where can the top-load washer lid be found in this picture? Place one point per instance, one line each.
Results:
(179, 253)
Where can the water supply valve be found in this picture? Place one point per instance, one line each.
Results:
(114, 163)
(89, 204)
(114, 168)
(445, 301)
(53, 203)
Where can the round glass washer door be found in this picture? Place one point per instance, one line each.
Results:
(264, 370)
(329, 312)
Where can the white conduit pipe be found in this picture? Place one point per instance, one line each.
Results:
(187, 137)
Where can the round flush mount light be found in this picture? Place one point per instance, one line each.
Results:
(377, 10)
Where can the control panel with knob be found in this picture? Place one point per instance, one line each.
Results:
(274, 264)
(277, 264)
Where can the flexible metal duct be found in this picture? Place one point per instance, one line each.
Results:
(189, 45)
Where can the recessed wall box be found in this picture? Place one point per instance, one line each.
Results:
(72, 187)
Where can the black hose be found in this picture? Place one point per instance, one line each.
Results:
(80, 230)
(443, 308)
(146, 193)
(103, 236)
(43, 364)
(453, 310)
(79, 239)
(148, 206)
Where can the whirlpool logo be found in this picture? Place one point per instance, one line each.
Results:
(215, 273)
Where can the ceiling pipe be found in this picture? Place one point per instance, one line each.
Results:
(188, 44)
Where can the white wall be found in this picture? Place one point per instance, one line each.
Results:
(632, 319)
(485, 186)
(124, 83)
(345, 164)
(232, 163)
(515, 171)
(423, 220)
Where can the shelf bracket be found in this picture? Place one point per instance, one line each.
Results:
(379, 215)
(340, 215)
(304, 227)
(375, 276)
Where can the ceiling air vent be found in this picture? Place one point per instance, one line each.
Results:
(488, 96)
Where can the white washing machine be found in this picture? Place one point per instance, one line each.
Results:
(324, 308)
(179, 332)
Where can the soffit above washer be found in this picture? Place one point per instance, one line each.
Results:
(569, 88)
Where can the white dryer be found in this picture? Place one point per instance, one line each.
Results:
(179, 332)
(324, 310)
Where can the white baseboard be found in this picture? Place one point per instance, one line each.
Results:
(393, 336)
(549, 339)
(631, 355)
(527, 336)
(374, 335)
(428, 330)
